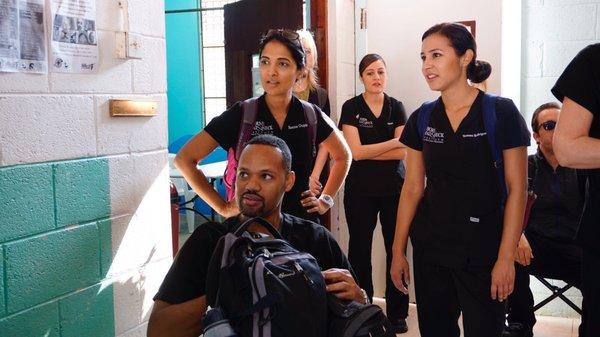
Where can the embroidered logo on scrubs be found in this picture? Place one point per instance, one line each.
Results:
(261, 128)
(474, 135)
(299, 126)
(432, 136)
(365, 123)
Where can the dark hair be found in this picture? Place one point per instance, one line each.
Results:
(534, 123)
(367, 60)
(462, 40)
(290, 39)
(275, 142)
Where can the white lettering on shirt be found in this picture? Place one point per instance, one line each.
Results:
(472, 219)
(365, 123)
(260, 128)
(432, 136)
(293, 127)
(475, 135)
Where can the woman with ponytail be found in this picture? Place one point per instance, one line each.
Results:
(465, 224)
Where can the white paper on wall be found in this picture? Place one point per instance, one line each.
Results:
(74, 38)
(22, 36)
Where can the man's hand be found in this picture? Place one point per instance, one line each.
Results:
(342, 285)
(313, 204)
(503, 279)
(524, 253)
(230, 209)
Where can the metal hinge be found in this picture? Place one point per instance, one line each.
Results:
(363, 18)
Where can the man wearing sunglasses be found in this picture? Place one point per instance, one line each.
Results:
(547, 247)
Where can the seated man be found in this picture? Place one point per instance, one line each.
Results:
(263, 176)
(547, 247)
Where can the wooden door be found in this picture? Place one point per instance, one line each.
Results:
(245, 22)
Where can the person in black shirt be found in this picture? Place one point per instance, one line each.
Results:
(282, 61)
(577, 145)
(372, 123)
(464, 236)
(547, 247)
(263, 176)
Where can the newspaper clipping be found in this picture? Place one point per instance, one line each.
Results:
(74, 38)
(22, 36)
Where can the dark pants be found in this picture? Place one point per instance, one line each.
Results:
(361, 215)
(551, 259)
(591, 293)
(443, 293)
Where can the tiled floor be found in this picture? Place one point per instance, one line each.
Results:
(546, 326)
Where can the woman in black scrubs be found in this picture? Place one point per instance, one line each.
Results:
(372, 123)
(463, 232)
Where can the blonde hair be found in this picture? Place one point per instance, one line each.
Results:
(307, 40)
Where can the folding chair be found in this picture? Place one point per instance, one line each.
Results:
(557, 292)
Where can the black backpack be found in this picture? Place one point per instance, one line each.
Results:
(265, 287)
(352, 319)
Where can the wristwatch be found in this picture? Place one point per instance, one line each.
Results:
(327, 199)
(365, 297)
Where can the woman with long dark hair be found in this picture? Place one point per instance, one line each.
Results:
(466, 222)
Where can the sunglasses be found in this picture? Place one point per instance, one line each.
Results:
(285, 33)
(548, 126)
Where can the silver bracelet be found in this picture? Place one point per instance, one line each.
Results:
(365, 296)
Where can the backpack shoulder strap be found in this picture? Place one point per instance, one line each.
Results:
(311, 118)
(249, 112)
(424, 116)
(490, 119)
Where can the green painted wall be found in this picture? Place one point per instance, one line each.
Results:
(55, 245)
(184, 87)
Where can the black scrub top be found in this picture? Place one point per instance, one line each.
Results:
(581, 83)
(459, 220)
(225, 129)
(373, 177)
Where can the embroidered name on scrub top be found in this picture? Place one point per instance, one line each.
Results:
(299, 126)
(475, 135)
(432, 136)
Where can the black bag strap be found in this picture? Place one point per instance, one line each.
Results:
(243, 227)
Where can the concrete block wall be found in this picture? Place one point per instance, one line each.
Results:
(554, 31)
(84, 207)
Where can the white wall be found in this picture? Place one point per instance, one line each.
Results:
(394, 30)
(341, 84)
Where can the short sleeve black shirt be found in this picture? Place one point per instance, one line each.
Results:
(580, 82)
(186, 279)
(459, 220)
(226, 127)
(373, 177)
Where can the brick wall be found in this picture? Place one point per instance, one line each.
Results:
(84, 213)
(554, 31)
